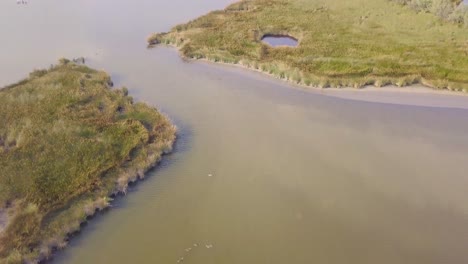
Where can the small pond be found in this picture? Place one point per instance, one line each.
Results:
(280, 40)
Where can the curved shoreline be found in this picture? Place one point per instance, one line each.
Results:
(130, 139)
(129, 176)
(353, 50)
(102, 204)
(341, 92)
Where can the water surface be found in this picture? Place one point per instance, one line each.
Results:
(296, 176)
(278, 41)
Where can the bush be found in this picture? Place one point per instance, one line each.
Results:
(442, 8)
(155, 39)
(37, 73)
(450, 10)
(420, 5)
(460, 15)
(63, 61)
(125, 91)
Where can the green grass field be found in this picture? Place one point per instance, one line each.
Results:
(67, 142)
(341, 43)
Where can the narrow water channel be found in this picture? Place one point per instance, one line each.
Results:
(262, 172)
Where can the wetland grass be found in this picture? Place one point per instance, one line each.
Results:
(67, 143)
(341, 43)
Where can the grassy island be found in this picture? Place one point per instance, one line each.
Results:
(67, 144)
(341, 43)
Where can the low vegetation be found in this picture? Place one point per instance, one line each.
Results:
(451, 10)
(67, 144)
(341, 43)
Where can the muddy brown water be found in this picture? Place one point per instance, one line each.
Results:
(262, 172)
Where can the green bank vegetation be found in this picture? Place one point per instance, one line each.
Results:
(341, 43)
(67, 143)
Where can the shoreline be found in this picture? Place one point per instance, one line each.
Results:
(149, 135)
(367, 93)
(337, 56)
(131, 175)
(128, 176)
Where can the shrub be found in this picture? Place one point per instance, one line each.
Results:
(460, 15)
(64, 61)
(125, 91)
(442, 8)
(420, 5)
(450, 10)
(37, 73)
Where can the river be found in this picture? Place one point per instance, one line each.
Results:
(262, 172)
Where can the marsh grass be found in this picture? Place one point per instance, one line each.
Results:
(67, 142)
(449, 10)
(341, 43)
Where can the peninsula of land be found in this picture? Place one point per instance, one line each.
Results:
(68, 143)
(340, 44)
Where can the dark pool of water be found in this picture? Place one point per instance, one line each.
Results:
(276, 40)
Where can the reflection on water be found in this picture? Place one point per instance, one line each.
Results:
(296, 177)
(277, 41)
